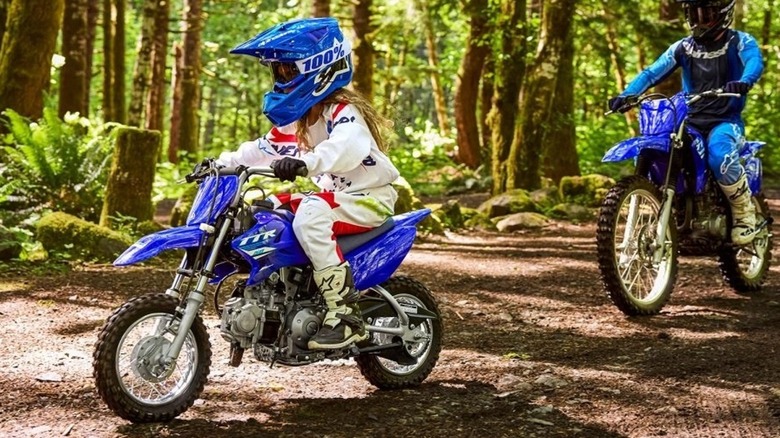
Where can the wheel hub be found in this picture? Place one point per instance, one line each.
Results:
(147, 359)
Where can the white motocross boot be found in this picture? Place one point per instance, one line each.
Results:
(343, 323)
(743, 212)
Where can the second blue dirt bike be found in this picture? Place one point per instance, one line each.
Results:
(672, 205)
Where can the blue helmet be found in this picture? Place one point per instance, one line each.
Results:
(309, 59)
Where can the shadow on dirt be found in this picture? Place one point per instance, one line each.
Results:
(467, 408)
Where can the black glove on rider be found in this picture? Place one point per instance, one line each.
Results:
(287, 169)
(616, 103)
(737, 87)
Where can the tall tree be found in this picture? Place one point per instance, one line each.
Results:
(538, 99)
(25, 73)
(363, 50)
(174, 140)
(190, 76)
(320, 8)
(93, 13)
(559, 141)
(114, 61)
(155, 103)
(142, 74)
(467, 83)
(74, 74)
(616, 56)
(3, 18)
(439, 100)
(670, 14)
(510, 70)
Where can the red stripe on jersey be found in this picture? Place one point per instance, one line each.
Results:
(338, 109)
(277, 136)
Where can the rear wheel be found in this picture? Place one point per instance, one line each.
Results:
(745, 268)
(638, 276)
(424, 352)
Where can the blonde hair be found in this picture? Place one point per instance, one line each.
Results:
(377, 123)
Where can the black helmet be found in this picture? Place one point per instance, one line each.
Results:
(706, 17)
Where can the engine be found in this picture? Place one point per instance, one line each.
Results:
(275, 319)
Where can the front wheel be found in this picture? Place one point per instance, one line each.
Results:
(638, 274)
(128, 372)
(745, 268)
(424, 352)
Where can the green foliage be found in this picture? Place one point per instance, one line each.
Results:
(55, 164)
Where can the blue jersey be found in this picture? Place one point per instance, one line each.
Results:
(735, 57)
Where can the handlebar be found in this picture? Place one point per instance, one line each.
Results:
(209, 167)
(634, 101)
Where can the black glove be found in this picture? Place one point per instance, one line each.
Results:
(287, 169)
(616, 103)
(737, 87)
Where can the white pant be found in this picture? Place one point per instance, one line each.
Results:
(320, 217)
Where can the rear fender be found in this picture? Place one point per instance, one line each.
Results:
(149, 246)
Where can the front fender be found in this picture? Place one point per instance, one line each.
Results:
(153, 244)
(630, 148)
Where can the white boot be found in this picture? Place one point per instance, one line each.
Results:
(343, 323)
(743, 212)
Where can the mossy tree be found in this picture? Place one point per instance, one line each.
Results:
(363, 51)
(142, 74)
(74, 74)
(25, 59)
(129, 188)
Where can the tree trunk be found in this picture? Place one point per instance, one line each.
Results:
(618, 66)
(108, 61)
(73, 76)
(93, 12)
(766, 30)
(439, 99)
(485, 104)
(118, 58)
(142, 74)
(24, 72)
(739, 15)
(4, 4)
(190, 75)
(538, 100)
(320, 8)
(670, 13)
(129, 186)
(559, 141)
(363, 50)
(176, 86)
(211, 122)
(155, 103)
(510, 70)
(467, 84)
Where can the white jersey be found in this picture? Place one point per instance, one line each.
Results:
(344, 158)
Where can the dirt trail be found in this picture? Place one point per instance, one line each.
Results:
(532, 348)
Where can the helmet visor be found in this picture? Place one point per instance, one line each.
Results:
(285, 75)
(706, 16)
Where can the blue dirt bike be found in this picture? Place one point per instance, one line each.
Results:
(672, 204)
(153, 354)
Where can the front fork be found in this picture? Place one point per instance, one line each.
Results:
(196, 296)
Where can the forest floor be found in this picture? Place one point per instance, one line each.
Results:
(532, 348)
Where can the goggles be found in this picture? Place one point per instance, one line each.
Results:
(285, 75)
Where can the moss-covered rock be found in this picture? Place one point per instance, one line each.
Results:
(514, 201)
(572, 212)
(61, 232)
(407, 201)
(148, 227)
(521, 221)
(10, 246)
(546, 198)
(450, 214)
(479, 221)
(587, 190)
(181, 209)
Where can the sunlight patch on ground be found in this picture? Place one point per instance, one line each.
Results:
(12, 286)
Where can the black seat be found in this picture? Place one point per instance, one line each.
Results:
(349, 242)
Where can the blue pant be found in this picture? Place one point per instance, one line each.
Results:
(723, 144)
